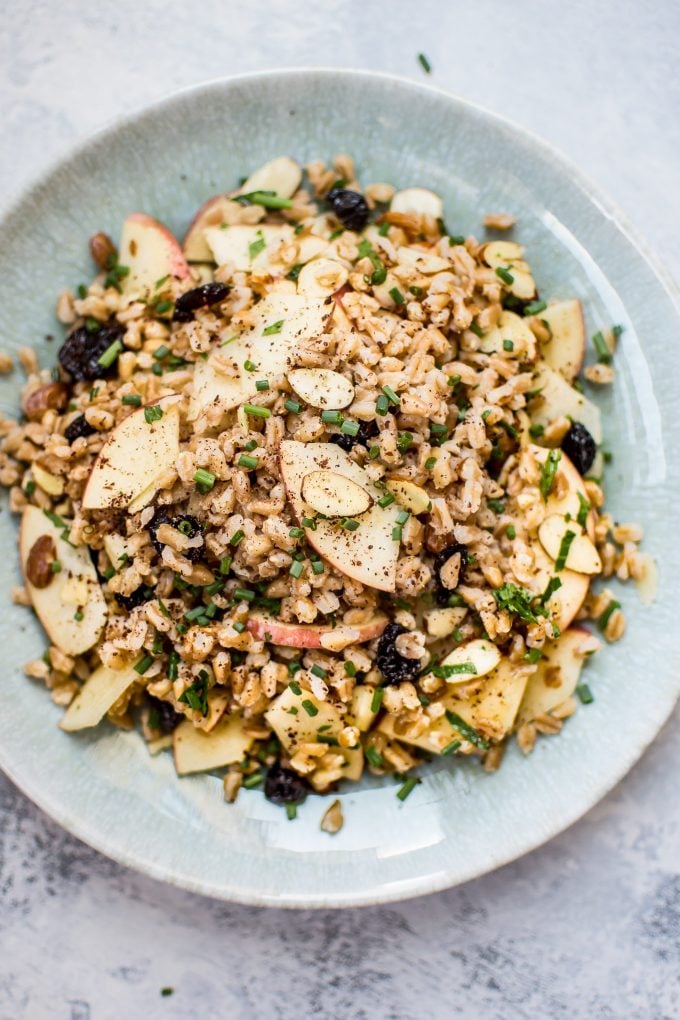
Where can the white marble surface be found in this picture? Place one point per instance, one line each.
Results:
(588, 926)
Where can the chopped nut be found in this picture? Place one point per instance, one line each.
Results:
(39, 563)
(103, 250)
(333, 819)
(499, 221)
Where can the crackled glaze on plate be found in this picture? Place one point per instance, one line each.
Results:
(459, 822)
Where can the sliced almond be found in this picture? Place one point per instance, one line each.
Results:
(322, 388)
(282, 175)
(418, 200)
(582, 556)
(442, 622)
(509, 255)
(322, 276)
(334, 495)
(409, 495)
(481, 655)
(421, 260)
(51, 484)
(510, 327)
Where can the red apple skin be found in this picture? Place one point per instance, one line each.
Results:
(300, 635)
(208, 215)
(177, 265)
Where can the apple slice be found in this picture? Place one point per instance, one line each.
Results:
(281, 321)
(565, 350)
(151, 253)
(423, 260)
(322, 276)
(307, 635)
(509, 256)
(510, 327)
(334, 495)
(492, 707)
(134, 458)
(212, 213)
(557, 674)
(363, 712)
(471, 660)
(303, 724)
(281, 175)
(197, 751)
(246, 246)
(368, 554)
(100, 692)
(421, 201)
(557, 398)
(57, 596)
(582, 556)
(409, 495)
(322, 388)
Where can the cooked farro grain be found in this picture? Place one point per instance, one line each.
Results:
(293, 499)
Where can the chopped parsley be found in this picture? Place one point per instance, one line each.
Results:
(565, 546)
(196, 696)
(275, 327)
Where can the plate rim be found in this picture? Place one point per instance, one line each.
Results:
(421, 885)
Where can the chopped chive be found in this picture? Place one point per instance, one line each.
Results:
(456, 239)
(607, 456)
(161, 352)
(214, 588)
(376, 700)
(261, 385)
(374, 453)
(81, 291)
(403, 516)
(397, 296)
(297, 533)
(497, 505)
(296, 569)
(204, 480)
(383, 229)
(246, 461)
(267, 199)
(605, 617)
(584, 510)
(349, 524)
(319, 671)
(459, 669)
(294, 685)
(374, 756)
(152, 414)
(310, 708)
(508, 345)
(143, 664)
(256, 246)
(110, 354)
(416, 291)
(476, 329)
(250, 366)
(548, 472)
(534, 655)
(386, 500)
(430, 463)
(309, 522)
(585, 694)
(79, 615)
(225, 564)
(382, 405)
(510, 531)
(563, 553)
(350, 428)
(256, 411)
(132, 400)
(404, 441)
(409, 786)
(252, 781)
(237, 537)
(536, 430)
(162, 307)
(534, 307)
(275, 327)
(294, 272)
(336, 233)
(350, 668)
(467, 731)
(425, 63)
(396, 534)
(173, 663)
(391, 395)
(291, 812)
(157, 369)
(195, 613)
(55, 566)
(331, 417)
(92, 324)
(505, 275)
(239, 626)
(438, 430)
(604, 355)
(293, 406)
(242, 594)
(452, 747)
(317, 566)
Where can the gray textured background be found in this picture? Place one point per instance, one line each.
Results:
(588, 926)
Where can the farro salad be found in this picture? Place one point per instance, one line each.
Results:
(317, 490)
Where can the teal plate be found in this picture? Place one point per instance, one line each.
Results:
(460, 822)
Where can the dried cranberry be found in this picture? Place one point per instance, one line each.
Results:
(580, 447)
(350, 207)
(79, 427)
(80, 353)
(393, 666)
(283, 786)
(200, 297)
(183, 522)
(138, 597)
(367, 431)
(443, 594)
(168, 718)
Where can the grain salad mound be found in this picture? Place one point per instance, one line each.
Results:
(316, 491)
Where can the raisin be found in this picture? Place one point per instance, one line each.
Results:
(350, 207)
(168, 718)
(393, 666)
(200, 297)
(138, 597)
(580, 447)
(163, 515)
(80, 353)
(283, 786)
(79, 427)
(367, 431)
(442, 593)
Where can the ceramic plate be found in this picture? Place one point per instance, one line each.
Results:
(103, 786)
